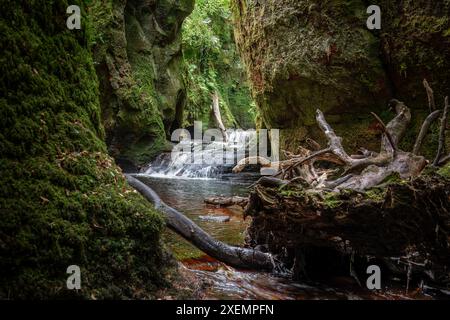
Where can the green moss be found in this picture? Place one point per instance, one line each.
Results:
(63, 201)
(392, 178)
(376, 194)
(140, 152)
(180, 247)
(139, 65)
(331, 200)
(415, 45)
(445, 171)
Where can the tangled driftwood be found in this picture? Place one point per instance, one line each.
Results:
(379, 208)
(366, 169)
(234, 256)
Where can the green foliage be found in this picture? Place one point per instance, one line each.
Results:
(213, 64)
(63, 201)
(445, 171)
(331, 200)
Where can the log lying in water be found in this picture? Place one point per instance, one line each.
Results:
(234, 256)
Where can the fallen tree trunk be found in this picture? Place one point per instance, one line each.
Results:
(234, 256)
(402, 227)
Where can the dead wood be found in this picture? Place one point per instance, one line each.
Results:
(443, 127)
(178, 222)
(217, 116)
(399, 225)
(227, 201)
(424, 129)
(430, 95)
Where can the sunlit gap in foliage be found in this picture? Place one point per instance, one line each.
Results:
(213, 65)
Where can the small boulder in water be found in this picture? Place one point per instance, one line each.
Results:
(215, 218)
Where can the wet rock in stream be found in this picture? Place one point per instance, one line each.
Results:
(215, 218)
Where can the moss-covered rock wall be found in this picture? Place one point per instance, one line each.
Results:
(139, 62)
(304, 55)
(63, 201)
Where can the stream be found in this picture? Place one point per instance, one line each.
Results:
(184, 186)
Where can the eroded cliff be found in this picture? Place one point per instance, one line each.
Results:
(139, 62)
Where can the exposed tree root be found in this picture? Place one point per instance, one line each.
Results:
(372, 207)
(399, 226)
(368, 168)
(378, 209)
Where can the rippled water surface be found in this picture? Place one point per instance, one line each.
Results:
(187, 196)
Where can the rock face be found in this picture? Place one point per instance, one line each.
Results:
(139, 63)
(63, 201)
(304, 55)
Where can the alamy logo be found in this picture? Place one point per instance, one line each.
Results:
(374, 21)
(74, 280)
(374, 280)
(74, 20)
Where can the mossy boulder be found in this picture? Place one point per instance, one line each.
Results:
(139, 62)
(304, 55)
(63, 201)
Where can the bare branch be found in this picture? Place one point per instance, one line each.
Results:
(444, 160)
(337, 182)
(430, 94)
(334, 142)
(335, 146)
(386, 132)
(423, 131)
(217, 116)
(397, 126)
(309, 158)
(441, 146)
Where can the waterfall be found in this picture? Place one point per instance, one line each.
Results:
(188, 158)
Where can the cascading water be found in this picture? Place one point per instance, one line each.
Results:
(187, 196)
(196, 159)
